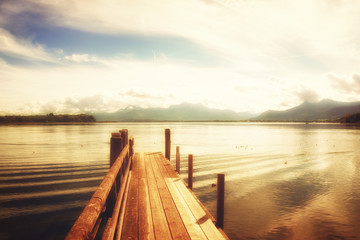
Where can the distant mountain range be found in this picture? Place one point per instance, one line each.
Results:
(323, 110)
(180, 112)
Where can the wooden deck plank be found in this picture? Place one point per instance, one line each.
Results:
(130, 226)
(194, 229)
(205, 222)
(161, 227)
(188, 218)
(176, 225)
(146, 229)
(199, 213)
(159, 205)
(173, 174)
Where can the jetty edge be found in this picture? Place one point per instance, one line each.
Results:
(143, 197)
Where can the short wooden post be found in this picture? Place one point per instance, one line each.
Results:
(178, 159)
(131, 146)
(131, 151)
(220, 200)
(125, 140)
(115, 147)
(190, 172)
(115, 150)
(167, 143)
(124, 135)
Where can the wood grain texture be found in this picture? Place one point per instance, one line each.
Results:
(202, 217)
(146, 228)
(176, 225)
(161, 227)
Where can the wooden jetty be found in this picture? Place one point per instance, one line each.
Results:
(143, 197)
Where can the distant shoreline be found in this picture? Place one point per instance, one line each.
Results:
(47, 119)
(202, 121)
(216, 121)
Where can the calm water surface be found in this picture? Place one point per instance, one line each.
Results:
(283, 181)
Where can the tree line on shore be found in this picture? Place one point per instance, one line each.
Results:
(351, 118)
(48, 118)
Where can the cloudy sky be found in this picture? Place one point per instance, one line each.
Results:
(102, 55)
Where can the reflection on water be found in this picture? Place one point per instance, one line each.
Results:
(283, 181)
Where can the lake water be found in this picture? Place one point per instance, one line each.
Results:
(283, 181)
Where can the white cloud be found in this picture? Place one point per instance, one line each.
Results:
(251, 35)
(308, 95)
(343, 85)
(118, 83)
(141, 94)
(80, 58)
(94, 103)
(21, 48)
(275, 52)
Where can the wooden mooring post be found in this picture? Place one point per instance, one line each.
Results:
(178, 159)
(131, 150)
(124, 136)
(167, 144)
(116, 146)
(220, 200)
(190, 172)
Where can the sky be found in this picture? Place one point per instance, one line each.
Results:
(67, 56)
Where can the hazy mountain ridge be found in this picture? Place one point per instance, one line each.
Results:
(180, 112)
(324, 110)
